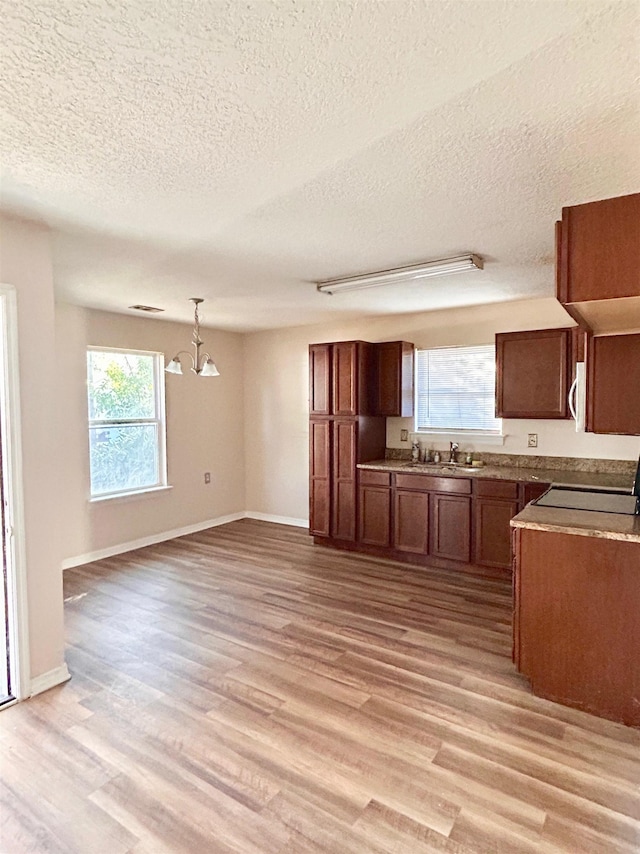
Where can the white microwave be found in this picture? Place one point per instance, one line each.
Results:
(578, 397)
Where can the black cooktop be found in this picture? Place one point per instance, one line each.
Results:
(583, 498)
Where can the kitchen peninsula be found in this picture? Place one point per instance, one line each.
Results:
(576, 607)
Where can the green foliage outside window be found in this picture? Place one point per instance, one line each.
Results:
(123, 421)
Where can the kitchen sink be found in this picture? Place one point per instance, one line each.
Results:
(440, 467)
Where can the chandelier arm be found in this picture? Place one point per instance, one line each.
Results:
(184, 353)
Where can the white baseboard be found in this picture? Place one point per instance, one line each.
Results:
(49, 680)
(279, 520)
(78, 560)
(121, 548)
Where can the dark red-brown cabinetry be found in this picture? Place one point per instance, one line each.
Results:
(320, 379)
(450, 527)
(375, 509)
(576, 629)
(613, 384)
(395, 378)
(320, 477)
(342, 433)
(598, 250)
(597, 270)
(533, 373)
(411, 521)
(495, 503)
(424, 518)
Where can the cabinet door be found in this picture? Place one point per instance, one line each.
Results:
(374, 515)
(598, 256)
(492, 534)
(319, 478)
(450, 535)
(613, 385)
(532, 373)
(395, 379)
(320, 379)
(343, 523)
(345, 378)
(411, 521)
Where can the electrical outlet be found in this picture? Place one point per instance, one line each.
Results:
(532, 440)
(207, 477)
(404, 435)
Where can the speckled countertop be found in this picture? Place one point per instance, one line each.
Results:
(583, 523)
(620, 480)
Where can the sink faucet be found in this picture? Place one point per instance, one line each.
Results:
(453, 450)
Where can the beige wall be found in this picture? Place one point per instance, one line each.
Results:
(276, 395)
(205, 421)
(25, 263)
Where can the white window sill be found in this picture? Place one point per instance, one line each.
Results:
(463, 436)
(124, 496)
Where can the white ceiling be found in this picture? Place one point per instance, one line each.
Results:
(238, 151)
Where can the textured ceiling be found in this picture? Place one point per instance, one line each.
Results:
(239, 150)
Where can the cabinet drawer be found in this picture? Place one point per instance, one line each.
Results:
(374, 478)
(459, 485)
(495, 488)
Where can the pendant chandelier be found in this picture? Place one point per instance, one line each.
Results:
(202, 365)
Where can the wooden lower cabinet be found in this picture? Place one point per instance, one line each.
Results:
(416, 517)
(320, 478)
(576, 627)
(374, 527)
(343, 516)
(411, 521)
(492, 535)
(450, 535)
(336, 446)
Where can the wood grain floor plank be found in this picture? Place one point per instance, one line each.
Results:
(243, 691)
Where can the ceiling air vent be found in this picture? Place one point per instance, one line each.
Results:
(150, 308)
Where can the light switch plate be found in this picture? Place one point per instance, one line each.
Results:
(532, 440)
(404, 435)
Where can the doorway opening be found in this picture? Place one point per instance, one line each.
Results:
(14, 662)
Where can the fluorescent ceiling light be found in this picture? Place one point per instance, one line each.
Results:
(442, 267)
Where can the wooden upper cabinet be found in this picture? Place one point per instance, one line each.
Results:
(597, 247)
(613, 384)
(395, 361)
(320, 379)
(345, 378)
(533, 371)
(341, 378)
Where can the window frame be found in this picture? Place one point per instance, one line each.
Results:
(159, 421)
(482, 435)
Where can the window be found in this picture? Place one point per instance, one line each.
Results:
(126, 421)
(455, 390)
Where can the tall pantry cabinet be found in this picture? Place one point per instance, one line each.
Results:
(343, 431)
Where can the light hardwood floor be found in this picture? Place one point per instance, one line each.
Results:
(242, 690)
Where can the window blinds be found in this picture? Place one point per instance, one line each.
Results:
(455, 389)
